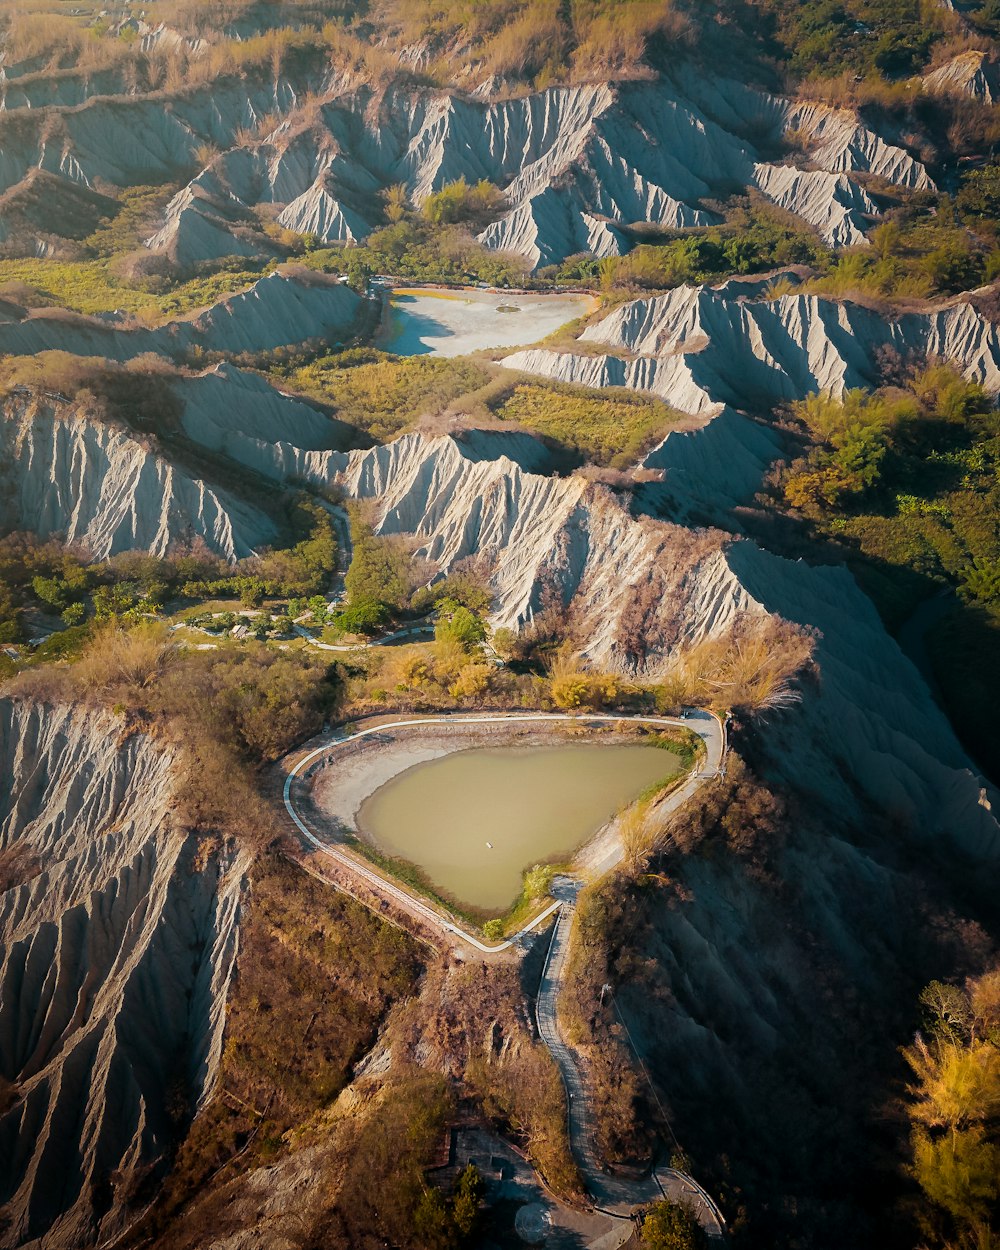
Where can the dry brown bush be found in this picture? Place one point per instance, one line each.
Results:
(754, 667)
(120, 664)
(472, 1023)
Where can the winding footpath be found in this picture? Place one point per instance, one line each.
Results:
(615, 1196)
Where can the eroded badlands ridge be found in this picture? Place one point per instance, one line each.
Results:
(115, 961)
(576, 164)
(701, 347)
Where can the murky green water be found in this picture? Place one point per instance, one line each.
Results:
(529, 804)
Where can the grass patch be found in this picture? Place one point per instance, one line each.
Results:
(606, 431)
(384, 395)
(92, 286)
(414, 877)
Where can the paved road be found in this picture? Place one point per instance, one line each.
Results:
(614, 1195)
(411, 631)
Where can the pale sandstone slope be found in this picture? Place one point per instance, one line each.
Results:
(973, 75)
(94, 483)
(576, 164)
(115, 963)
(698, 347)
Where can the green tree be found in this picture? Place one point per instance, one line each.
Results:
(318, 609)
(960, 1172)
(251, 591)
(50, 591)
(979, 194)
(466, 1201)
(118, 599)
(537, 881)
(461, 626)
(378, 569)
(981, 580)
(668, 1226)
(367, 616)
(947, 1010)
(73, 613)
(433, 1223)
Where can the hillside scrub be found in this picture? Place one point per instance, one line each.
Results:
(738, 962)
(626, 1120)
(904, 482)
(756, 237)
(953, 1107)
(137, 395)
(422, 251)
(381, 394)
(908, 474)
(461, 201)
(879, 39)
(380, 571)
(738, 814)
(472, 1023)
(94, 286)
(600, 429)
(670, 1226)
(755, 667)
(229, 711)
(315, 976)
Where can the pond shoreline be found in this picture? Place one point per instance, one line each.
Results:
(359, 772)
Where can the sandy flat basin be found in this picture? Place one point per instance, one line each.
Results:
(425, 322)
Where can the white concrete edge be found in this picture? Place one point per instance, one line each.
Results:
(413, 900)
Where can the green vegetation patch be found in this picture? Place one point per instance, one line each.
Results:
(422, 251)
(908, 479)
(601, 429)
(94, 286)
(384, 395)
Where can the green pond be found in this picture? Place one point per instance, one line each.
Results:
(474, 820)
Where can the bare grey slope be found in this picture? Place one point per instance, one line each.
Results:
(115, 963)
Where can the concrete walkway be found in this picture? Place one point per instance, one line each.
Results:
(708, 727)
(614, 1195)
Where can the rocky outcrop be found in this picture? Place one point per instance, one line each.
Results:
(95, 483)
(142, 140)
(115, 961)
(970, 75)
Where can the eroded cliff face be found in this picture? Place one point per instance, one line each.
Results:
(768, 986)
(95, 483)
(702, 347)
(115, 961)
(576, 164)
(279, 310)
